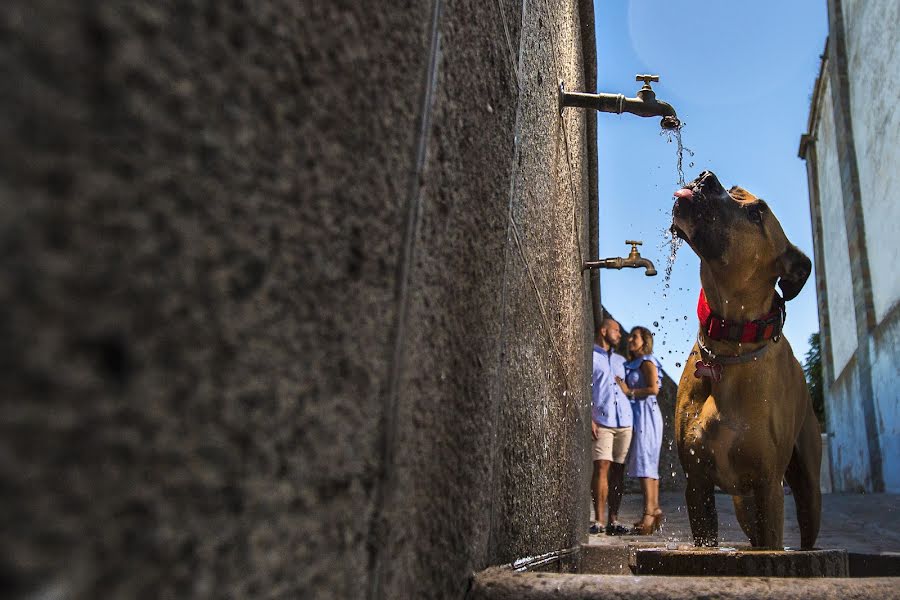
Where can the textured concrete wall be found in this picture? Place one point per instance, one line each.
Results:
(873, 28)
(844, 414)
(853, 176)
(293, 300)
(837, 261)
(850, 470)
(885, 375)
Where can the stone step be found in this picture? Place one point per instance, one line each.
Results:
(734, 562)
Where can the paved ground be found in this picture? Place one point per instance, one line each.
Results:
(867, 523)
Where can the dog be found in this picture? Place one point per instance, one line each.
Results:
(744, 418)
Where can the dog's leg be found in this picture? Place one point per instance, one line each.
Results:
(803, 476)
(701, 503)
(768, 498)
(745, 510)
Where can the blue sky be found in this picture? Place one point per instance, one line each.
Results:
(740, 76)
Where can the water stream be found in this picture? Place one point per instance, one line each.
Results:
(676, 132)
(674, 242)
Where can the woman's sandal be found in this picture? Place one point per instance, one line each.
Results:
(642, 528)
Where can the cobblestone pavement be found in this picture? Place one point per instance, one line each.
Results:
(866, 523)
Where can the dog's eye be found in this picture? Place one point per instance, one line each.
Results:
(754, 214)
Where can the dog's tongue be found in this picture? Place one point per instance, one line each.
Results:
(684, 193)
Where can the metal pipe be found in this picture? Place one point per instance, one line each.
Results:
(589, 59)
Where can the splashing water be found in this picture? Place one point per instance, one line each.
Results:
(674, 242)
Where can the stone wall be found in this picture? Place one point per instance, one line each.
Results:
(853, 170)
(872, 30)
(836, 254)
(293, 299)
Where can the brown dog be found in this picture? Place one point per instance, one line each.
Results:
(744, 418)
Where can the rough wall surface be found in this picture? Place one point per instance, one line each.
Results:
(846, 422)
(293, 296)
(885, 375)
(873, 28)
(837, 261)
(847, 429)
(855, 177)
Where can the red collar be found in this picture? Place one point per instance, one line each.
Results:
(766, 327)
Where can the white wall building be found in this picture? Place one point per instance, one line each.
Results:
(852, 152)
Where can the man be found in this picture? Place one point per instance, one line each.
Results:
(610, 427)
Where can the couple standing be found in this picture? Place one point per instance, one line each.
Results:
(625, 421)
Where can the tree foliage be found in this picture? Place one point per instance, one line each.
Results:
(812, 368)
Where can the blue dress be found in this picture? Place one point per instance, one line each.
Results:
(646, 439)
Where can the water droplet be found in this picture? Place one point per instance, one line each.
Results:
(656, 323)
(692, 451)
(678, 364)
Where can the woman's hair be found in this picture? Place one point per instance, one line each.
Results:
(646, 338)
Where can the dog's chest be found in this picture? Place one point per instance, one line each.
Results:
(721, 443)
(711, 435)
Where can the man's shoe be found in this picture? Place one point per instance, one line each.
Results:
(616, 529)
(596, 528)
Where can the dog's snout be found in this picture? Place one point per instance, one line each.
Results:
(708, 182)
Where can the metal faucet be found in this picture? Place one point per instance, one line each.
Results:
(644, 105)
(634, 261)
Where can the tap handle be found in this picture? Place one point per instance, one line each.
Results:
(646, 79)
(635, 243)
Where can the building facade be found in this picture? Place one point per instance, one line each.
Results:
(852, 152)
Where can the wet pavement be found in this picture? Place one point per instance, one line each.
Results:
(860, 524)
(864, 523)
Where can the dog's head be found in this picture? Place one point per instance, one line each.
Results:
(736, 235)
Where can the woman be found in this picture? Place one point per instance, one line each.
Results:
(643, 377)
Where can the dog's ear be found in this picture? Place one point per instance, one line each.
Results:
(795, 270)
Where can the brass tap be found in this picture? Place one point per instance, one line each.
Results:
(634, 261)
(644, 104)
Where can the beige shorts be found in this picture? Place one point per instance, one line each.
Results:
(612, 444)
